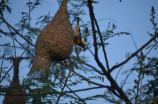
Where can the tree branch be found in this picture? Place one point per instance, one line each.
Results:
(100, 85)
(71, 91)
(16, 31)
(83, 76)
(135, 53)
(63, 86)
(85, 89)
(91, 67)
(94, 38)
(105, 56)
(11, 36)
(23, 46)
(10, 46)
(107, 74)
(2, 63)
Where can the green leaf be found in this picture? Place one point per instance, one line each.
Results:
(102, 79)
(8, 8)
(152, 9)
(4, 67)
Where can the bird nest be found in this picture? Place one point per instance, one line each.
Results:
(54, 43)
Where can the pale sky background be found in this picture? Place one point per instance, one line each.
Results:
(128, 15)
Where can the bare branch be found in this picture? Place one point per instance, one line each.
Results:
(2, 63)
(127, 77)
(94, 34)
(90, 51)
(118, 73)
(105, 56)
(10, 46)
(94, 37)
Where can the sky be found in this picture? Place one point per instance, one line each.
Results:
(129, 16)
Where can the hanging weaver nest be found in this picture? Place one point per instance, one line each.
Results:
(54, 43)
(15, 86)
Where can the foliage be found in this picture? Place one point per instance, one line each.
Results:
(4, 7)
(54, 89)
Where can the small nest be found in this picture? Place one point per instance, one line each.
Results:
(54, 43)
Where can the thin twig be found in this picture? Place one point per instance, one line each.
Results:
(134, 45)
(118, 73)
(91, 67)
(2, 63)
(58, 2)
(133, 40)
(85, 89)
(77, 12)
(64, 86)
(72, 91)
(126, 78)
(90, 51)
(29, 23)
(10, 46)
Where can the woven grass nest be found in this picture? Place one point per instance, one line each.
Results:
(54, 43)
(15, 86)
